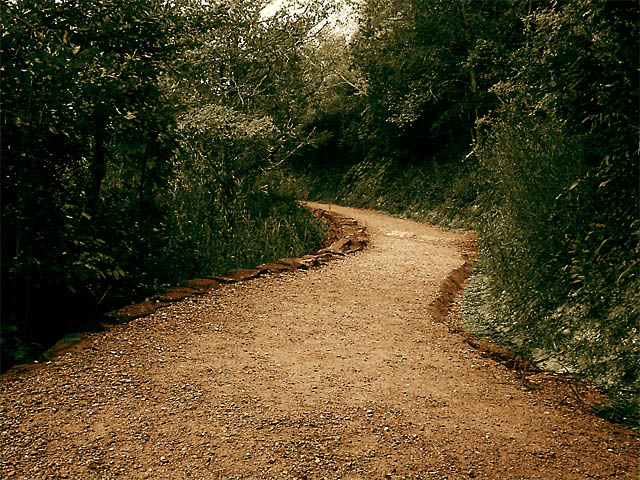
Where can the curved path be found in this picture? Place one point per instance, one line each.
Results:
(335, 372)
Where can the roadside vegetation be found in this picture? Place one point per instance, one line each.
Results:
(519, 120)
(134, 134)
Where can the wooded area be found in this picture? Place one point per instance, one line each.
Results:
(147, 142)
(134, 134)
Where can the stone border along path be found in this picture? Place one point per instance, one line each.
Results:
(344, 237)
(356, 369)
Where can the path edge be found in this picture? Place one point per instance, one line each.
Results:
(344, 237)
(444, 309)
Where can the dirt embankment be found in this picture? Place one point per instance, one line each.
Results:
(354, 369)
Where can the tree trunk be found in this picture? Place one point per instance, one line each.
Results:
(98, 167)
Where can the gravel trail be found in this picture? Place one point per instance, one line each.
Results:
(333, 372)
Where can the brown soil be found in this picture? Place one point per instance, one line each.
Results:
(354, 369)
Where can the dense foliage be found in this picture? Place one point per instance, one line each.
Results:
(134, 133)
(561, 213)
(519, 119)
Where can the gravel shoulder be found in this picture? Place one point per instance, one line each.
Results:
(340, 371)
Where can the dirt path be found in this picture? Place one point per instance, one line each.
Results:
(335, 372)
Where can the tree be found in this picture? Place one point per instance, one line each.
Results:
(83, 122)
(429, 65)
(133, 133)
(249, 79)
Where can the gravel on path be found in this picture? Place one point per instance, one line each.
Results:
(335, 372)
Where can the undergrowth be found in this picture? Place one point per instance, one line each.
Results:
(262, 227)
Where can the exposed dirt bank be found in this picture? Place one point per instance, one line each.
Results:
(354, 369)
